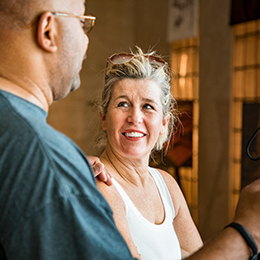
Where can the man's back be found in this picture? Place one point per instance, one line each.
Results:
(50, 207)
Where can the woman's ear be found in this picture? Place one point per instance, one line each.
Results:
(103, 120)
(46, 32)
(164, 124)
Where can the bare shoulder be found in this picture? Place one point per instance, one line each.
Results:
(107, 191)
(104, 188)
(169, 180)
(111, 195)
(184, 226)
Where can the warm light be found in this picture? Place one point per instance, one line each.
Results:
(183, 65)
(182, 83)
(245, 89)
(186, 88)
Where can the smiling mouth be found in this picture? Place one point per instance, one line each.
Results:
(133, 134)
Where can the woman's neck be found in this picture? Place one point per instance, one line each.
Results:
(123, 169)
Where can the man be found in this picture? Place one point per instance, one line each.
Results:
(49, 204)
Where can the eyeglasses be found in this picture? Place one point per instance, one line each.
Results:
(121, 58)
(88, 21)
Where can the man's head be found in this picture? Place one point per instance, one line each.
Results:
(40, 47)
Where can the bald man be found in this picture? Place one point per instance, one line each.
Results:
(50, 207)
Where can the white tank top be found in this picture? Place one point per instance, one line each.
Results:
(153, 242)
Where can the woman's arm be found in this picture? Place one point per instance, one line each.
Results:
(117, 205)
(187, 233)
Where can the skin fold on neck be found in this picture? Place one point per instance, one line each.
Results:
(131, 172)
(25, 88)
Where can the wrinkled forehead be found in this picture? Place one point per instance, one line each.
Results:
(138, 88)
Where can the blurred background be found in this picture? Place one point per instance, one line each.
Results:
(213, 48)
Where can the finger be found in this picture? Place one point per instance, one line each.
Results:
(102, 176)
(98, 168)
(106, 177)
(92, 159)
(109, 179)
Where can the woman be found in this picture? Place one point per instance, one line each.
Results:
(149, 208)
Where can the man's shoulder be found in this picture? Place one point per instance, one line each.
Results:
(35, 157)
(24, 132)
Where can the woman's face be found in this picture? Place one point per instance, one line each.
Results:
(134, 118)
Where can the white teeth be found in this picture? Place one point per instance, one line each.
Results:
(133, 134)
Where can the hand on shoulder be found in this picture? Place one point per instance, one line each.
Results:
(100, 172)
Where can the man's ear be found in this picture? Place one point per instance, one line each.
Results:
(103, 120)
(46, 32)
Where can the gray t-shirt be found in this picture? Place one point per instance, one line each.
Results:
(50, 207)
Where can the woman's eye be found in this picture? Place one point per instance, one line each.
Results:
(147, 106)
(122, 104)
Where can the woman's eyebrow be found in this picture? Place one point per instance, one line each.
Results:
(149, 100)
(122, 96)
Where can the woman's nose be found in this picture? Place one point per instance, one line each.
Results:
(135, 116)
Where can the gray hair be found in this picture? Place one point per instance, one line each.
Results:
(140, 68)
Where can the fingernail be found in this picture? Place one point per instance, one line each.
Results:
(97, 167)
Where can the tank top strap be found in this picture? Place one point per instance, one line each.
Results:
(162, 187)
(122, 193)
